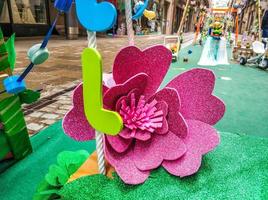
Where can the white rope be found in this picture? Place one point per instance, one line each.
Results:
(92, 40)
(130, 32)
(100, 152)
(92, 43)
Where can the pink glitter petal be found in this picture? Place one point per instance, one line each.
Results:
(163, 129)
(142, 135)
(76, 126)
(162, 105)
(154, 61)
(75, 123)
(118, 143)
(201, 139)
(127, 98)
(176, 122)
(195, 89)
(150, 154)
(119, 102)
(125, 133)
(112, 95)
(184, 166)
(125, 166)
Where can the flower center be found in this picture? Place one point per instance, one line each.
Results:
(141, 115)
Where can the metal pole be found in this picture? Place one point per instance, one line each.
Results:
(72, 30)
(182, 22)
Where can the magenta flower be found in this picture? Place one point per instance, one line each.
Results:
(169, 127)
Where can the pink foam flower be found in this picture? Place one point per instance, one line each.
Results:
(169, 127)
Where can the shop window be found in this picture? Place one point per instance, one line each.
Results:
(4, 14)
(29, 11)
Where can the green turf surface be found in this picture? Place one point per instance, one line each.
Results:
(20, 181)
(245, 93)
(237, 169)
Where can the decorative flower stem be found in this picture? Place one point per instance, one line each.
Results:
(92, 43)
(100, 152)
(92, 40)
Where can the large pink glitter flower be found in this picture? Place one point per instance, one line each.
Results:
(171, 127)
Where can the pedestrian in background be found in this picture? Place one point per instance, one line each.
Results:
(264, 26)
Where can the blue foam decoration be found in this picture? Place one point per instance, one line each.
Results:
(190, 52)
(140, 10)
(38, 55)
(96, 17)
(13, 86)
(63, 5)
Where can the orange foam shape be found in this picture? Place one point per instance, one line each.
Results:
(90, 167)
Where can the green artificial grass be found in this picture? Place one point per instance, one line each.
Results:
(237, 169)
(243, 89)
(21, 180)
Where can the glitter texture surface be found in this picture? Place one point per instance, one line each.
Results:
(200, 139)
(150, 154)
(176, 122)
(195, 89)
(138, 82)
(154, 61)
(139, 116)
(75, 123)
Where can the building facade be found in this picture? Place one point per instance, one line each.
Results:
(25, 17)
(248, 17)
(34, 17)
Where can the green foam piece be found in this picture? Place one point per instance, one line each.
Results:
(100, 119)
(11, 116)
(10, 46)
(29, 96)
(67, 163)
(5, 149)
(237, 169)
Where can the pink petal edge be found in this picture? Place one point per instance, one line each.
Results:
(74, 122)
(154, 61)
(195, 89)
(118, 143)
(150, 154)
(138, 82)
(125, 167)
(201, 139)
(176, 122)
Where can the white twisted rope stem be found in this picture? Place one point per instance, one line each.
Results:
(92, 43)
(130, 32)
(92, 40)
(100, 152)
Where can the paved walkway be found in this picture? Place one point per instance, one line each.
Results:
(62, 72)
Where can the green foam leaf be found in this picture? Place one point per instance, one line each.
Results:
(29, 96)
(10, 46)
(67, 163)
(56, 176)
(45, 192)
(72, 160)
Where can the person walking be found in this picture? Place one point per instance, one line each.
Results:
(264, 26)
